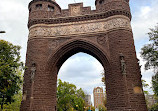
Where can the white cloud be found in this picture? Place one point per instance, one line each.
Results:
(83, 70)
(13, 20)
(64, 3)
(146, 74)
(143, 19)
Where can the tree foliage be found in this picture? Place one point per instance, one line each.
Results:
(10, 81)
(103, 78)
(103, 81)
(150, 54)
(69, 97)
(155, 84)
(150, 51)
(154, 107)
(102, 108)
(15, 106)
(145, 85)
(89, 108)
(92, 108)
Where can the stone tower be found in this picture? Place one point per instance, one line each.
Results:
(105, 33)
(98, 96)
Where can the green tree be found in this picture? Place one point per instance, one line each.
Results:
(150, 51)
(103, 78)
(102, 108)
(92, 108)
(87, 108)
(155, 84)
(103, 81)
(150, 54)
(145, 85)
(15, 106)
(10, 81)
(69, 97)
(154, 107)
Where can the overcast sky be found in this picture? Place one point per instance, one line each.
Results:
(81, 69)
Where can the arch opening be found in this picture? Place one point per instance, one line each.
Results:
(72, 47)
(84, 71)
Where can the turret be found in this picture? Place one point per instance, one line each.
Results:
(43, 9)
(113, 7)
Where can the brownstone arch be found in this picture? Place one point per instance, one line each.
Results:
(105, 33)
(72, 47)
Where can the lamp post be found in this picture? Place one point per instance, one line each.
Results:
(2, 32)
(85, 108)
(77, 107)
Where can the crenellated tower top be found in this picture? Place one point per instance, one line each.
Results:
(49, 12)
(41, 9)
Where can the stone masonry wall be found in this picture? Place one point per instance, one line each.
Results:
(105, 33)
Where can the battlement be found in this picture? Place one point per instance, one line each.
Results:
(49, 12)
(76, 9)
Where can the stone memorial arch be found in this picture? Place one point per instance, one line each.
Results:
(55, 34)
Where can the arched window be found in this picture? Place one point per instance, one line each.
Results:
(101, 1)
(98, 90)
(39, 6)
(29, 9)
(50, 8)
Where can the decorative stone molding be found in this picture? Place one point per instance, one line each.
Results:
(53, 44)
(74, 28)
(102, 39)
(75, 10)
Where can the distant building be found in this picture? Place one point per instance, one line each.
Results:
(88, 100)
(98, 96)
(151, 100)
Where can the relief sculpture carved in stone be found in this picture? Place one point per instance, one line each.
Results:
(75, 10)
(33, 71)
(24, 95)
(102, 39)
(73, 29)
(123, 64)
(53, 44)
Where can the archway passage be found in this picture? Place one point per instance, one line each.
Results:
(73, 47)
(84, 71)
(104, 33)
(119, 86)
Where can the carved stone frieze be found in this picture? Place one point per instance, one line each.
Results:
(79, 28)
